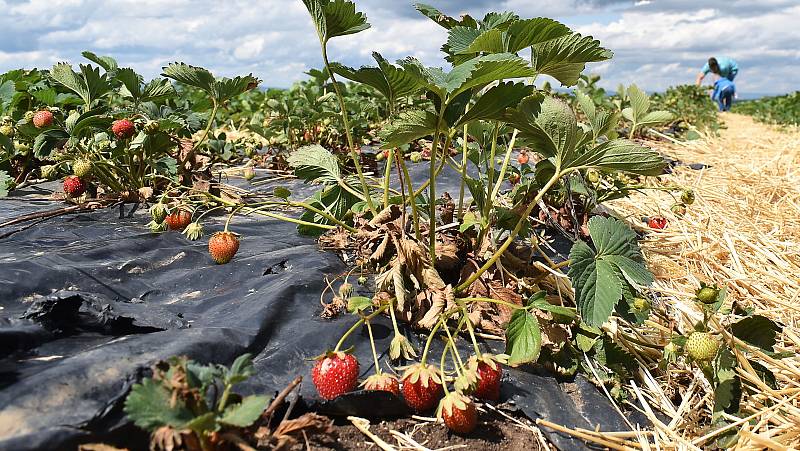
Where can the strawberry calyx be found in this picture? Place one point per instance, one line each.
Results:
(423, 374)
(453, 400)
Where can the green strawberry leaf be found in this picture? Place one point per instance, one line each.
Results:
(334, 18)
(149, 405)
(601, 276)
(757, 330)
(358, 304)
(245, 413)
(523, 338)
(241, 369)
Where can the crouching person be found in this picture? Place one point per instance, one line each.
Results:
(724, 91)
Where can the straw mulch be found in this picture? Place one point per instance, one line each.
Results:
(743, 233)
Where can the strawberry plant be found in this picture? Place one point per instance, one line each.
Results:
(781, 110)
(192, 405)
(692, 107)
(474, 115)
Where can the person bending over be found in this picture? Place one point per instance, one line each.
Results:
(723, 66)
(724, 90)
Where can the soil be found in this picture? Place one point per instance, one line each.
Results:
(494, 433)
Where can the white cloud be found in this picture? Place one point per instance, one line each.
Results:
(656, 44)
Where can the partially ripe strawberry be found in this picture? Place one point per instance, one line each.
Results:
(123, 128)
(422, 387)
(657, 222)
(459, 413)
(179, 219)
(489, 374)
(523, 158)
(335, 374)
(513, 178)
(223, 246)
(74, 186)
(42, 118)
(382, 382)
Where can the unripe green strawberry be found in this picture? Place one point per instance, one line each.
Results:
(707, 295)
(701, 346)
(7, 130)
(379, 156)
(104, 145)
(687, 197)
(82, 167)
(641, 304)
(593, 176)
(6, 120)
(415, 157)
(29, 116)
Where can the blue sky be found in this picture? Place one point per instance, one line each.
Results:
(657, 43)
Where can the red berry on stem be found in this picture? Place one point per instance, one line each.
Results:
(42, 118)
(74, 186)
(657, 222)
(522, 158)
(459, 413)
(223, 246)
(335, 374)
(123, 128)
(382, 382)
(422, 387)
(178, 220)
(489, 375)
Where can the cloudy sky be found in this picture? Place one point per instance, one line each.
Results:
(657, 43)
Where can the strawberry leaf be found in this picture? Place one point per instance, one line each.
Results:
(564, 58)
(523, 338)
(245, 413)
(149, 406)
(408, 126)
(495, 101)
(757, 330)
(601, 276)
(334, 18)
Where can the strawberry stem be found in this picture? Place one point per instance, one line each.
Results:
(430, 339)
(356, 325)
(372, 345)
(471, 332)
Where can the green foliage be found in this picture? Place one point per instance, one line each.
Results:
(639, 114)
(692, 107)
(183, 395)
(780, 110)
(601, 276)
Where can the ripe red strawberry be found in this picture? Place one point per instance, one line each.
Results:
(123, 128)
(489, 374)
(422, 386)
(459, 413)
(382, 382)
(523, 158)
(223, 246)
(42, 118)
(179, 219)
(74, 186)
(657, 222)
(335, 374)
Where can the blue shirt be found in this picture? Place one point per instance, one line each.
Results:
(727, 67)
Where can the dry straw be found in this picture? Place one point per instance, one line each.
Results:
(743, 233)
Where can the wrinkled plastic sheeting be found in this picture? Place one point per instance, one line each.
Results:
(91, 301)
